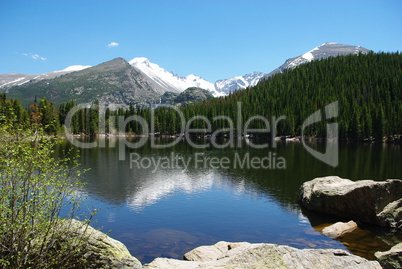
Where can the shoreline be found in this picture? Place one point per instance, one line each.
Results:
(396, 139)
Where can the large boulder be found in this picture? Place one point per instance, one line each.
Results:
(246, 255)
(392, 258)
(368, 201)
(101, 251)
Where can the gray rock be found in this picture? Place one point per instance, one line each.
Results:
(101, 250)
(207, 253)
(339, 229)
(392, 213)
(368, 201)
(392, 258)
(246, 255)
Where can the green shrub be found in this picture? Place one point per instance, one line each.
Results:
(36, 191)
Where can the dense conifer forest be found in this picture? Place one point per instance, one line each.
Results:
(368, 88)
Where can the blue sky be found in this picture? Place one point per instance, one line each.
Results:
(213, 39)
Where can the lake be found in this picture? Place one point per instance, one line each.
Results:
(195, 197)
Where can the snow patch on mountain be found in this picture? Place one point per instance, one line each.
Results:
(308, 56)
(74, 68)
(11, 82)
(15, 79)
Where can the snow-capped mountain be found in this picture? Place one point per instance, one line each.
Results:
(165, 81)
(143, 82)
(16, 79)
(321, 52)
(240, 82)
(168, 82)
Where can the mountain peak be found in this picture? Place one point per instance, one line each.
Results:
(139, 60)
(192, 77)
(330, 43)
(327, 49)
(116, 63)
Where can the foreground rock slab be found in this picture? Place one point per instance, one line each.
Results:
(368, 201)
(392, 258)
(246, 255)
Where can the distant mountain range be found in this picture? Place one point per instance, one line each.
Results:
(140, 82)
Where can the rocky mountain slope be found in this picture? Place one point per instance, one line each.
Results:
(191, 96)
(114, 82)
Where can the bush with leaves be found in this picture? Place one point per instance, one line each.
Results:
(39, 197)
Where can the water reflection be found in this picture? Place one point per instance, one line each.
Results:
(166, 212)
(161, 184)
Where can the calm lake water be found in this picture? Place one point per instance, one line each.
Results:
(168, 210)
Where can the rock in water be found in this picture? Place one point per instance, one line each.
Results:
(392, 258)
(339, 229)
(368, 201)
(246, 255)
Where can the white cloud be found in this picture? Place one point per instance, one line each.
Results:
(112, 44)
(34, 56)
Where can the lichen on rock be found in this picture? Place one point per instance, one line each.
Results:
(100, 251)
(392, 258)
